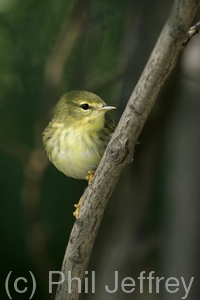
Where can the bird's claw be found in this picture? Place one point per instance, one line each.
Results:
(90, 176)
(78, 206)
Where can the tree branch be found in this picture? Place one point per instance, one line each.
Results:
(191, 32)
(121, 147)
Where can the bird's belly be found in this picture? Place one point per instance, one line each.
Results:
(77, 165)
(76, 157)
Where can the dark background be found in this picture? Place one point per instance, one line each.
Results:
(152, 221)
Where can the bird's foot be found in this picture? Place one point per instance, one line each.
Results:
(90, 176)
(78, 206)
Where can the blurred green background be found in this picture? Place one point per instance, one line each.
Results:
(152, 222)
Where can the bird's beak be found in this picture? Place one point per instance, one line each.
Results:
(107, 108)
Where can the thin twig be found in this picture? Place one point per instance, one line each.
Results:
(120, 149)
(191, 32)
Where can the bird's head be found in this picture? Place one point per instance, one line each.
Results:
(81, 108)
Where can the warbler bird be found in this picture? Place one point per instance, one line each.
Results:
(78, 133)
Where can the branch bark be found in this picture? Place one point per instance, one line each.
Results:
(120, 149)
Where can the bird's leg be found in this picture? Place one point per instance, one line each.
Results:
(90, 176)
(78, 206)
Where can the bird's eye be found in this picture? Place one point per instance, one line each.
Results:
(85, 106)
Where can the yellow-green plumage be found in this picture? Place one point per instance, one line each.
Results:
(78, 134)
